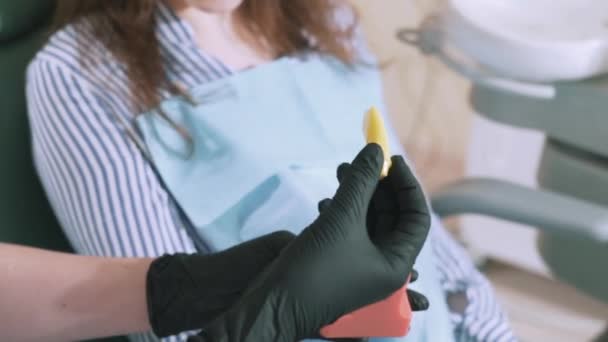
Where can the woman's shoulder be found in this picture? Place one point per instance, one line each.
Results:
(74, 50)
(72, 65)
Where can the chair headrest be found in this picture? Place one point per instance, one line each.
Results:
(23, 16)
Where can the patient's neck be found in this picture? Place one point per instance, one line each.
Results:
(223, 36)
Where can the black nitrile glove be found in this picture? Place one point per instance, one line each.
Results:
(334, 266)
(383, 202)
(187, 291)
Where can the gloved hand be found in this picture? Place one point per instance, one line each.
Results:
(187, 291)
(382, 203)
(334, 266)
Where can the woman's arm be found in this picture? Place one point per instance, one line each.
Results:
(48, 296)
(104, 193)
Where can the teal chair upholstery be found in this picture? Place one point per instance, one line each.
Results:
(25, 215)
(571, 207)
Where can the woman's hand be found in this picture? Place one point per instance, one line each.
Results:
(343, 261)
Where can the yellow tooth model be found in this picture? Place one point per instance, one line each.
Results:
(373, 127)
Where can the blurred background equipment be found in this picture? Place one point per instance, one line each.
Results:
(426, 100)
(537, 67)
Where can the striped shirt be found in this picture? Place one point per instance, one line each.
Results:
(107, 196)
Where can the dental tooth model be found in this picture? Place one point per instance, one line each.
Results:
(373, 128)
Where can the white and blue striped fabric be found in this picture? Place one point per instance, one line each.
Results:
(107, 196)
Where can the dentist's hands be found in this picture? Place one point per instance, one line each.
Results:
(381, 203)
(359, 250)
(186, 291)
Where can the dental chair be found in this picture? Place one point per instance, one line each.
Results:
(546, 72)
(571, 208)
(25, 215)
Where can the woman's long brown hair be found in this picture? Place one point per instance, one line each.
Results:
(127, 29)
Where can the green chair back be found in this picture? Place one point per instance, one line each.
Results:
(25, 215)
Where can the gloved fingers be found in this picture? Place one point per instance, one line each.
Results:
(382, 209)
(383, 198)
(380, 224)
(324, 204)
(410, 197)
(418, 301)
(404, 242)
(359, 183)
(413, 276)
(373, 222)
(343, 170)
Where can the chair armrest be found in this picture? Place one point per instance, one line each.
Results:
(550, 212)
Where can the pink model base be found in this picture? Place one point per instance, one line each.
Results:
(388, 318)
